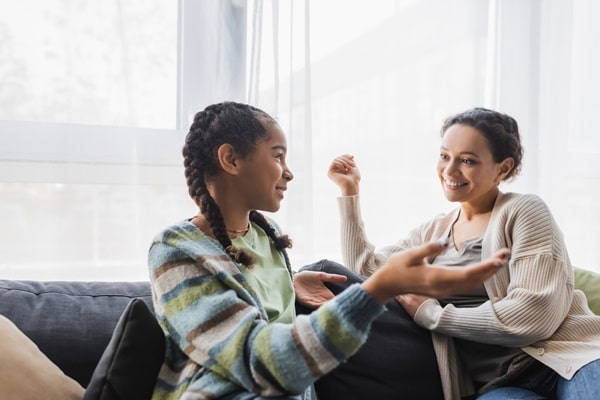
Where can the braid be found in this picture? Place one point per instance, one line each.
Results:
(281, 242)
(215, 219)
(228, 122)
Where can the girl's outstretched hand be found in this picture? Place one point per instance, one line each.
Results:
(310, 287)
(409, 272)
(344, 173)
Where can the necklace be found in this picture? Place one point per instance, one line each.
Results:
(238, 232)
(233, 233)
(248, 239)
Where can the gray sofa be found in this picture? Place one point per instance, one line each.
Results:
(71, 322)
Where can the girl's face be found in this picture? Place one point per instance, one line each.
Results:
(466, 167)
(265, 174)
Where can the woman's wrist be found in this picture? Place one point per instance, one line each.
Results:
(349, 190)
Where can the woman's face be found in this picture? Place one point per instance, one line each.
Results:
(466, 167)
(265, 174)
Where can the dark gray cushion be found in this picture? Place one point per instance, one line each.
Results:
(131, 361)
(71, 322)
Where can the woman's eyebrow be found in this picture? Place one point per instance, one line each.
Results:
(462, 153)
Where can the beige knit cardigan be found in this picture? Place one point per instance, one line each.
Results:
(533, 304)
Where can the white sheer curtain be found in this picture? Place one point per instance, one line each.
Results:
(376, 79)
(568, 132)
(545, 73)
(81, 197)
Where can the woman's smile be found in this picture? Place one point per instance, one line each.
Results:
(454, 184)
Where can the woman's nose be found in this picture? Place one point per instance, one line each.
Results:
(450, 168)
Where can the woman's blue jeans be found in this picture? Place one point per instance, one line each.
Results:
(585, 385)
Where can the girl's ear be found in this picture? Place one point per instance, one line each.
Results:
(228, 158)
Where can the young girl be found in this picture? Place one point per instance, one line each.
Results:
(222, 283)
(523, 334)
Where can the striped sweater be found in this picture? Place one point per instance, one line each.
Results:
(533, 304)
(219, 340)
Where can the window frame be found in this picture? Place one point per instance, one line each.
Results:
(37, 152)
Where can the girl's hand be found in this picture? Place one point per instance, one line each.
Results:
(344, 173)
(310, 287)
(409, 272)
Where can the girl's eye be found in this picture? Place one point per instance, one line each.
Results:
(467, 161)
(280, 156)
(443, 157)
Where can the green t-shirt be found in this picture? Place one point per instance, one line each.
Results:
(269, 276)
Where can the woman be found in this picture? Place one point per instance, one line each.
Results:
(525, 333)
(222, 284)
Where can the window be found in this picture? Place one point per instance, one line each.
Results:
(89, 62)
(96, 101)
(88, 122)
(90, 154)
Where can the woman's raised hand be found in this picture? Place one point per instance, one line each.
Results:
(344, 173)
(409, 272)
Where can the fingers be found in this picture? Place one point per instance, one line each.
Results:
(489, 266)
(418, 254)
(444, 281)
(333, 278)
(313, 303)
(409, 272)
(503, 255)
(498, 260)
(344, 173)
(343, 163)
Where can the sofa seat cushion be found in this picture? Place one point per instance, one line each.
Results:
(27, 374)
(70, 322)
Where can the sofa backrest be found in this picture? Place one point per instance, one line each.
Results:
(71, 322)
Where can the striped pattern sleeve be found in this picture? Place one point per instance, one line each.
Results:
(211, 316)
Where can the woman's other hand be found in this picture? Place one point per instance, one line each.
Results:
(411, 302)
(310, 287)
(344, 173)
(409, 272)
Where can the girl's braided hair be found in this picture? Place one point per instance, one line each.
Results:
(242, 126)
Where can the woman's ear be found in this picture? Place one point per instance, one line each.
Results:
(228, 158)
(506, 166)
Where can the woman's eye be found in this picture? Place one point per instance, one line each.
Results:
(467, 161)
(443, 157)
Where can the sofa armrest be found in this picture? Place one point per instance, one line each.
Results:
(71, 322)
(589, 283)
